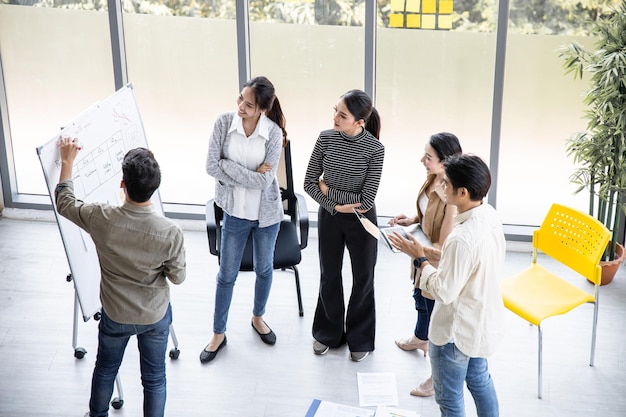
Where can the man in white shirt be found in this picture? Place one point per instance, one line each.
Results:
(466, 322)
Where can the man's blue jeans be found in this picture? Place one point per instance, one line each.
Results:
(451, 369)
(112, 340)
(235, 233)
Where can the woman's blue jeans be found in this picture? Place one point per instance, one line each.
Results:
(235, 233)
(451, 368)
(152, 343)
(424, 307)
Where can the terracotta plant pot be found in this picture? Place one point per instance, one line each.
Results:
(609, 268)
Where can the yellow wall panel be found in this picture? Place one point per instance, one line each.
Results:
(445, 6)
(413, 21)
(426, 14)
(396, 20)
(412, 6)
(444, 22)
(428, 21)
(429, 6)
(397, 5)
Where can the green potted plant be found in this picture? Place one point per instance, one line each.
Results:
(600, 150)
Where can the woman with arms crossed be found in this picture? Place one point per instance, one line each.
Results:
(244, 151)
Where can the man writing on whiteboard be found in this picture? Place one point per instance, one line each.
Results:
(138, 251)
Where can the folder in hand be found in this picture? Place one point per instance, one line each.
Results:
(370, 227)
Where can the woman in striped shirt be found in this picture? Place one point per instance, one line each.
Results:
(343, 175)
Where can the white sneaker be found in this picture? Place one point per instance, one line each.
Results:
(358, 356)
(319, 348)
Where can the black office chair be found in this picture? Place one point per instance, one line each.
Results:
(292, 236)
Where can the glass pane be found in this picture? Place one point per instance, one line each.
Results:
(309, 12)
(184, 73)
(214, 9)
(429, 82)
(311, 66)
(557, 17)
(48, 79)
(290, 11)
(542, 108)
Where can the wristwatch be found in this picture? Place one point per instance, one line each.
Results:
(418, 261)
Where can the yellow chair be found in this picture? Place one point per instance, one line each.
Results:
(574, 239)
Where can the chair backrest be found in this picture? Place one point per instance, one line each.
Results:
(284, 175)
(288, 249)
(573, 238)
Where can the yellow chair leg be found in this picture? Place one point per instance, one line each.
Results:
(539, 339)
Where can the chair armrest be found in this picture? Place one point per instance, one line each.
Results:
(303, 220)
(213, 217)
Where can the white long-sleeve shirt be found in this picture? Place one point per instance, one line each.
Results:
(248, 152)
(229, 174)
(469, 308)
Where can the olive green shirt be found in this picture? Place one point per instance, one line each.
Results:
(138, 249)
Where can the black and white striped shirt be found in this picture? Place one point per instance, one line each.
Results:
(351, 167)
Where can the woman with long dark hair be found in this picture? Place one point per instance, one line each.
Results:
(436, 218)
(244, 151)
(343, 175)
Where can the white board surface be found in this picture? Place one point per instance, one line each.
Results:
(105, 132)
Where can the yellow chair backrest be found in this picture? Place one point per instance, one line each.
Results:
(573, 238)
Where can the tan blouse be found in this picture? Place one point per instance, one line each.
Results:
(431, 220)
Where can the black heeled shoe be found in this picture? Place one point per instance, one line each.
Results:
(208, 355)
(267, 338)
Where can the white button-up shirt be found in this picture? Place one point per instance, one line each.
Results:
(466, 286)
(250, 153)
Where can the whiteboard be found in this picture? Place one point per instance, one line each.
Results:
(105, 132)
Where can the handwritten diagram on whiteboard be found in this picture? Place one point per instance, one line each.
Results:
(105, 132)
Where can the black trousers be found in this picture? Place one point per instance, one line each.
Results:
(332, 326)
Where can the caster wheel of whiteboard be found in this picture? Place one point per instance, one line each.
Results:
(117, 403)
(79, 353)
(174, 353)
(97, 316)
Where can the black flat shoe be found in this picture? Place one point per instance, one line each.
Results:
(267, 338)
(208, 356)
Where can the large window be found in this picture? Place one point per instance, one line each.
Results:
(311, 67)
(434, 72)
(542, 107)
(541, 110)
(429, 82)
(56, 62)
(184, 73)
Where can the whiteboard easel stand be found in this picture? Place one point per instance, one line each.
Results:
(80, 352)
